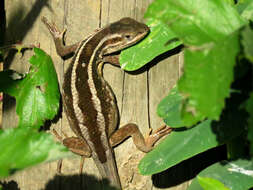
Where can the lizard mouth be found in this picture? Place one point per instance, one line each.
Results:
(117, 47)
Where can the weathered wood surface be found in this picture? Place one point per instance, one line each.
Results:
(137, 93)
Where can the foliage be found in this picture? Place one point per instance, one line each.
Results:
(184, 144)
(212, 102)
(210, 105)
(23, 147)
(234, 175)
(37, 100)
(211, 184)
(37, 93)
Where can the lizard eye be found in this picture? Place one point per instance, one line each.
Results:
(128, 37)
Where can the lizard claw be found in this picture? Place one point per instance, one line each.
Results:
(157, 134)
(55, 32)
(163, 130)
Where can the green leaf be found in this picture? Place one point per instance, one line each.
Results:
(231, 2)
(249, 108)
(24, 147)
(197, 22)
(37, 95)
(245, 8)
(170, 109)
(209, 29)
(159, 40)
(183, 144)
(207, 79)
(247, 42)
(211, 184)
(236, 175)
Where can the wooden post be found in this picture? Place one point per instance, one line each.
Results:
(137, 93)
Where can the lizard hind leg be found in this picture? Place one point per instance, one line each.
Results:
(75, 145)
(78, 146)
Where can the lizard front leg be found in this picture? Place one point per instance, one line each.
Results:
(143, 144)
(58, 36)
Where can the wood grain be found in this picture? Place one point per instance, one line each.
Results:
(137, 93)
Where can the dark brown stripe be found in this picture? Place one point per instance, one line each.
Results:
(68, 99)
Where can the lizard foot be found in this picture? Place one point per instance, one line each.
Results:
(153, 137)
(55, 32)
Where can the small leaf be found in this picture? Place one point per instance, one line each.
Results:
(160, 40)
(211, 184)
(37, 95)
(170, 109)
(247, 42)
(19, 48)
(24, 147)
(236, 175)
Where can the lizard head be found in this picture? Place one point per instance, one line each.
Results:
(125, 33)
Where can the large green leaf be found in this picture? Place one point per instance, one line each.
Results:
(207, 78)
(37, 95)
(24, 147)
(236, 175)
(159, 40)
(208, 183)
(201, 67)
(197, 22)
(183, 144)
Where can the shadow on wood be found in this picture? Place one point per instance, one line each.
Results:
(78, 182)
(10, 185)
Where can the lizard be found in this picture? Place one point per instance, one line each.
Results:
(89, 101)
